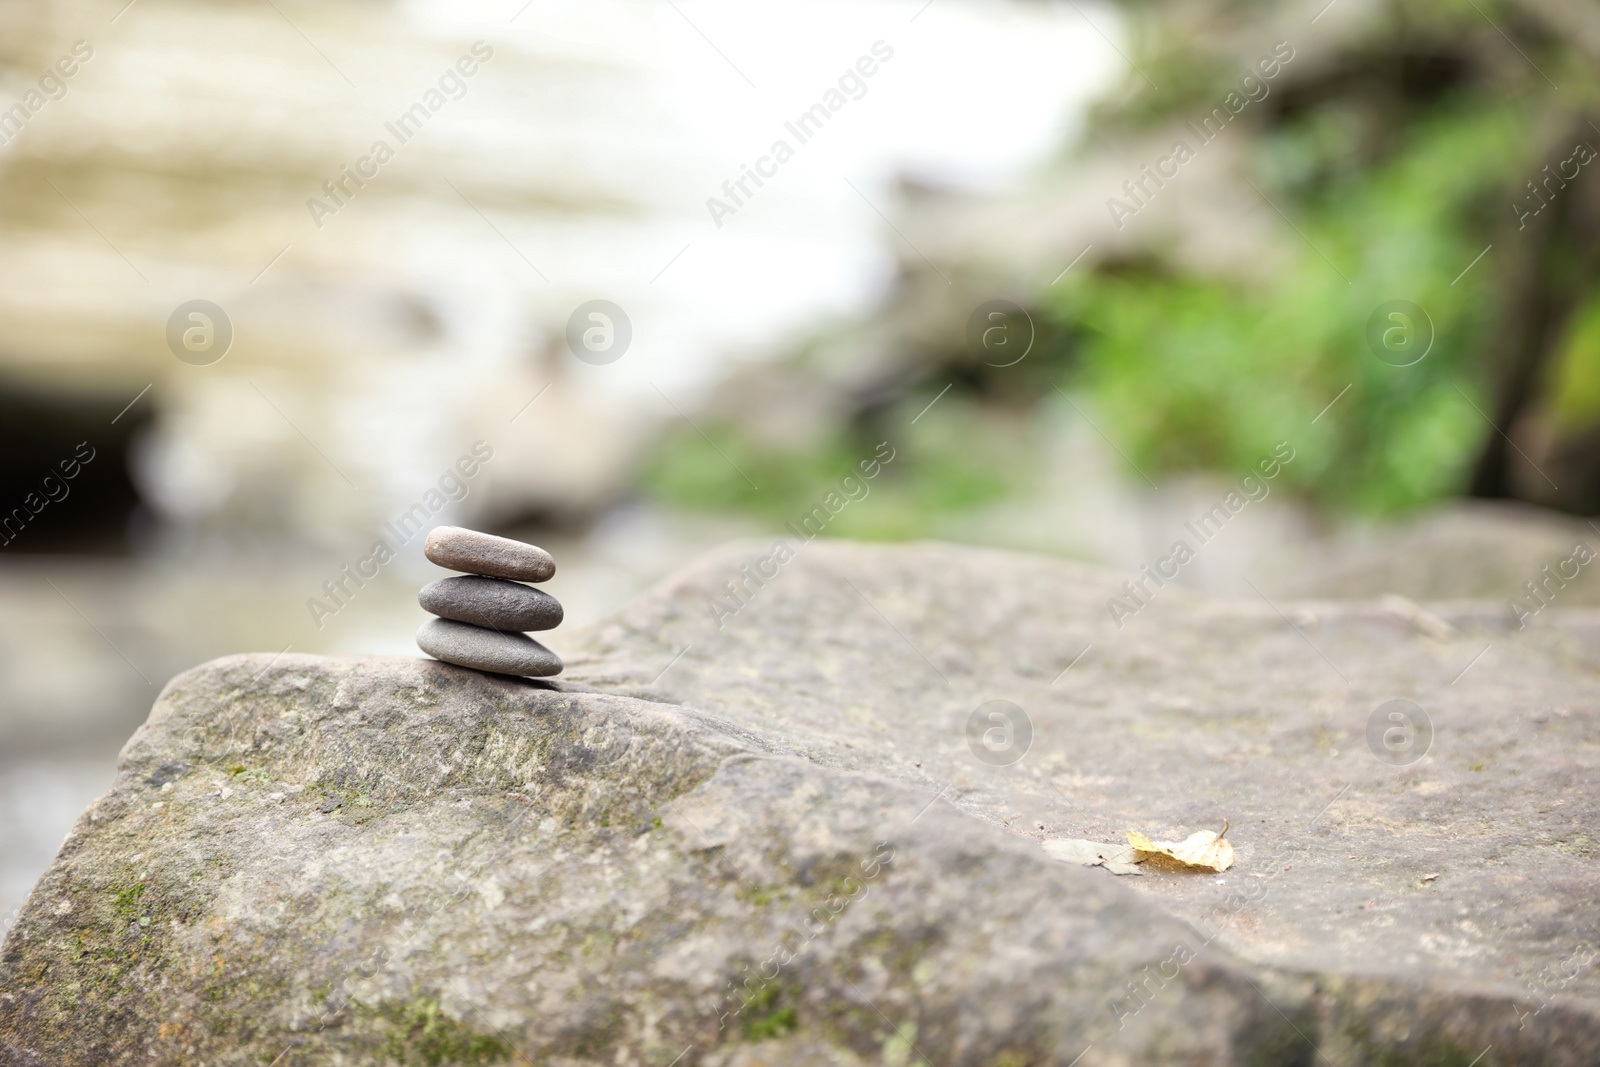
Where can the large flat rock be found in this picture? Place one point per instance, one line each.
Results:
(749, 827)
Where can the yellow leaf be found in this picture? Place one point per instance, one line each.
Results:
(1202, 849)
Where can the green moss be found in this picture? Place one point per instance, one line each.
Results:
(1282, 1042)
(761, 895)
(897, 951)
(125, 902)
(598, 944)
(423, 1033)
(899, 1046)
(1579, 845)
(1428, 1050)
(766, 1016)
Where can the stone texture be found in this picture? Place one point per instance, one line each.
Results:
(492, 602)
(1470, 548)
(487, 650)
(389, 860)
(474, 552)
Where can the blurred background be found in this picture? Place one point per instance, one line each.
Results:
(1084, 265)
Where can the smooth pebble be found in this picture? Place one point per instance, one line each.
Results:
(473, 552)
(466, 645)
(492, 602)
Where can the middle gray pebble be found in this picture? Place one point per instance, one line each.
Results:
(492, 602)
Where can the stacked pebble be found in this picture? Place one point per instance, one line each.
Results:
(483, 614)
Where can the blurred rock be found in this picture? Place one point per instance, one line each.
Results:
(772, 839)
(1464, 549)
(429, 304)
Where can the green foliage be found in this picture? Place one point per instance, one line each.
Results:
(1577, 373)
(958, 455)
(1209, 370)
(1381, 172)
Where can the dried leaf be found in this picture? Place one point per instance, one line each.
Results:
(1202, 850)
(1118, 859)
(1425, 621)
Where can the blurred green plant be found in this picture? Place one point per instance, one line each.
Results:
(1206, 371)
(959, 455)
(1396, 158)
(1577, 374)
(1384, 166)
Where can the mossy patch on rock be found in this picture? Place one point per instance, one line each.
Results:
(424, 1034)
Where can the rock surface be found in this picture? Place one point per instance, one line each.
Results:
(491, 602)
(487, 650)
(475, 552)
(755, 832)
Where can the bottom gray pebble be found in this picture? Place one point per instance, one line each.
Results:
(466, 645)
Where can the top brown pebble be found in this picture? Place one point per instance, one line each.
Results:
(473, 552)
